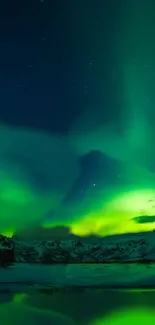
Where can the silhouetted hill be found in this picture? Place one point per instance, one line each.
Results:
(63, 233)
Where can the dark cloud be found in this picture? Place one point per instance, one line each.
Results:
(97, 171)
(144, 219)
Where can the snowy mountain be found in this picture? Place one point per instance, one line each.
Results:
(119, 248)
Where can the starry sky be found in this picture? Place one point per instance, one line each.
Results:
(76, 119)
(49, 60)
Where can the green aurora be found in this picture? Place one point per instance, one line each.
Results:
(134, 146)
(24, 205)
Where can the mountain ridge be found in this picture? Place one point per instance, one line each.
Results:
(126, 248)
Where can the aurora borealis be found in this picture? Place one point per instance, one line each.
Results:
(95, 174)
(30, 183)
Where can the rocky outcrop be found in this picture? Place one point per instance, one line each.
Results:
(136, 249)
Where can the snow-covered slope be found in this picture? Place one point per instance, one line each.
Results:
(120, 248)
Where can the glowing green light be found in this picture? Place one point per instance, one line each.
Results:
(117, 215)
(141, 316)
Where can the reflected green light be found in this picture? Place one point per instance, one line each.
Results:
(141, 316)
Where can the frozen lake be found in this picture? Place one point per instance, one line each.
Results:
(91, 275)
(77, 294)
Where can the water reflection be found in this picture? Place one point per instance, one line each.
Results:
(76, 306)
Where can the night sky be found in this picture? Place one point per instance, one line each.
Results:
(77, 110)
(54, 60)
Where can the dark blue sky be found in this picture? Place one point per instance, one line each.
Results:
(51, 54)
